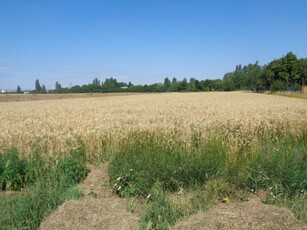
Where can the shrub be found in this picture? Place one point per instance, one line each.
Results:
(72, 170)
(51, 185)
(278, 85)
(12, 170)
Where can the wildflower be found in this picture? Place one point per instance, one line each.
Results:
(119, 178)
(119, 188)
(148, 196)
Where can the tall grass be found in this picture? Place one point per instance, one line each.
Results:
(148, 158)
(46, 183)
(276, 162)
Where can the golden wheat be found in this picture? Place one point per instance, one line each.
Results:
(58, 122)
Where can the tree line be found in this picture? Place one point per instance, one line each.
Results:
(285, 73)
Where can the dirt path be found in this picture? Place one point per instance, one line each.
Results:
(98, 209)
(249, 215)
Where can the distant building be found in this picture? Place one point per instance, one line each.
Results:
(3, 91)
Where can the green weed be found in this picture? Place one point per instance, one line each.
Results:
(276, 160)
(51, 183)
(160, 212)
(12, 170)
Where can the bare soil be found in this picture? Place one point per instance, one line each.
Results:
(98, 209)
(101, 209)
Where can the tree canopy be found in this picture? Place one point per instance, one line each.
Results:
(285, 73)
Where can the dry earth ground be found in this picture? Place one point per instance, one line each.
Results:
(100, 209)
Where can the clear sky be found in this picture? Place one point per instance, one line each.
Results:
(74, 41)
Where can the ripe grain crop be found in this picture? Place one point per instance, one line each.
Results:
(58, 123)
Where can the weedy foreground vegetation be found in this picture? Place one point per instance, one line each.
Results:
(207, 145)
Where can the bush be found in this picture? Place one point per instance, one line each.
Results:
(72, 170)
(51, 185)
(25, 211)
(12, 170)
(278, 85)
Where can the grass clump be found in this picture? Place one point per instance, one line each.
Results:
(147, 159)
(51, 182)
(12, 171)
(276, 163)
(160, 212)
(283, 165)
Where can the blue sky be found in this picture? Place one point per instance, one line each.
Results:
(74, 41)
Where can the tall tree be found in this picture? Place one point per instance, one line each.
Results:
(183, 85)
(96, 81)
(283, 73)
(18, 89)
(167, 82)
(38, 87)
(254, 77)
(43, 90)
(58, 86)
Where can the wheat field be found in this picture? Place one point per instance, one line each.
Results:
(58, 123)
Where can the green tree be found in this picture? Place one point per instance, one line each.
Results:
(58, 86)
(284, 73)
(96, 81)
(110, 83)
(167, 82)
(192, 85)
(38, 87)
(254, 77)
(43, 90)
(183, 85)
(18, 89)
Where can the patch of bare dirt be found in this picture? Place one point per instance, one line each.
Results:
(252, 214)
(98, 209)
